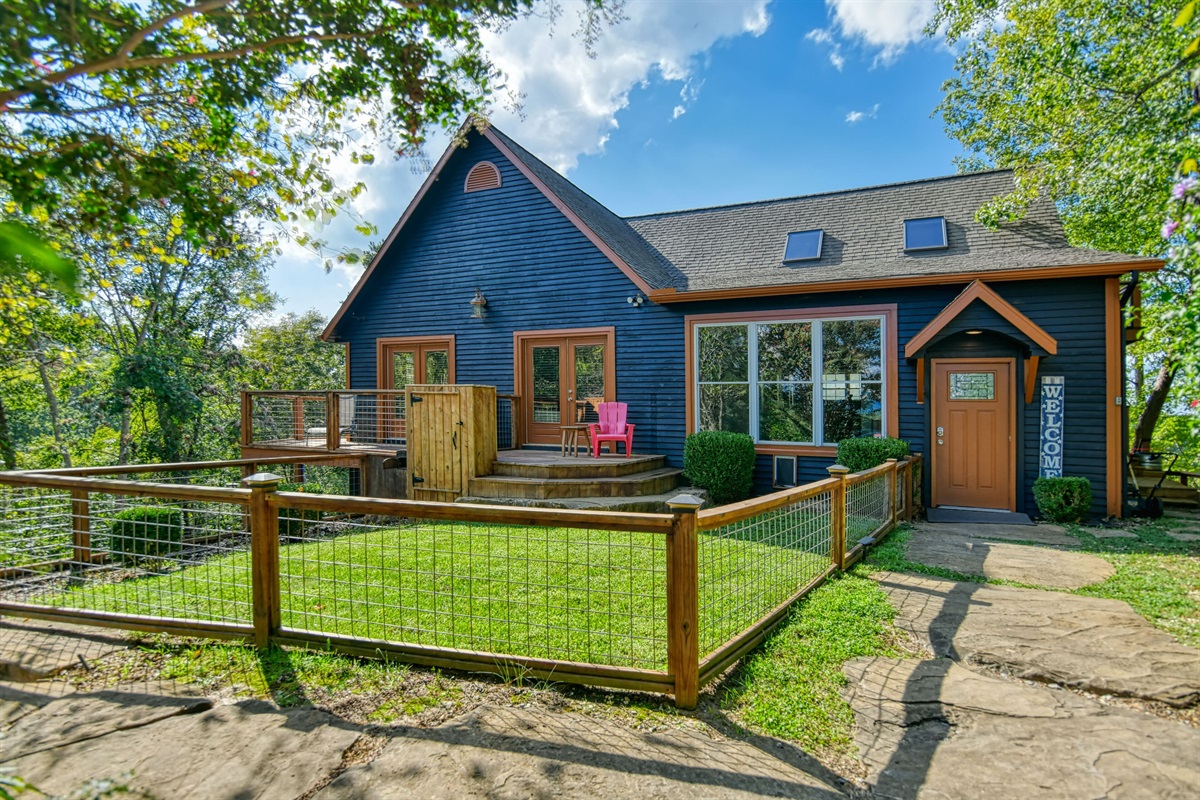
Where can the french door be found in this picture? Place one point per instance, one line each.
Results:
(406, 361)
(563, 376)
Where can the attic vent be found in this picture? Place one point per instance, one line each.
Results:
(483, 175)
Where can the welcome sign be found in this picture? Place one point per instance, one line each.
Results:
(1053, 391)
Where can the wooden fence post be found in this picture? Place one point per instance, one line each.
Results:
(683, 603)
(837, 512)
(907, 487)
(333, 422)
(893, 497)
(264, 556)
(298, 419)
(81, 527)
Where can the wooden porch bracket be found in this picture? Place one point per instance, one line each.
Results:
(1031, 368)
(920, 381)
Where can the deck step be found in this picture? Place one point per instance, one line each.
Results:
(649, 482)
(532, 464)
(648, 504)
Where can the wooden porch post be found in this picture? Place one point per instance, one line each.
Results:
(247, 419)
(837, 514)
(264, 556)
(333, 422)
(683, 605)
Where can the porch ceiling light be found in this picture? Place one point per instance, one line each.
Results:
(478, 303)
(974, 332)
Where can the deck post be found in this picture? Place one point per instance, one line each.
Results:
(264, 556)
(893, 493)
(247, 433)
(81, 528)
(333, 422)
(298, 418)
(683, 604)
(837, 516)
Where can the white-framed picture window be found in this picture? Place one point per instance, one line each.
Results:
(792, 381)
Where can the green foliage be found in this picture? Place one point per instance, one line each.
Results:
(1090, 104)
(1063, 499)
(867, 451)
(137, 533)
(123, 102)
(721, 463)
(289, 355)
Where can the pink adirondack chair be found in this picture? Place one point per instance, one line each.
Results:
(611, 428)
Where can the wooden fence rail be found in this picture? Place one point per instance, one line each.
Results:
(817, 517)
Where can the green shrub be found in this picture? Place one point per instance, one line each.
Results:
(146, 532)
(867, 451)
(721, 463)
(1063, 499)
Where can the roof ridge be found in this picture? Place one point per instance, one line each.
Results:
(831, 193)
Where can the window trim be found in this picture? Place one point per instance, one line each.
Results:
(945, 235)
(889, 382)
(382, 345)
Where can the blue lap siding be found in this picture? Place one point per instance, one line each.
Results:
(539, 272)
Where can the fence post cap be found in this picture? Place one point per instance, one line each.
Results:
(838, 470)
(262, 480)
(890, 460)
(685, 503)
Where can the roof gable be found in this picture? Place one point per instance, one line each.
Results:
(978, 291)
(608, 232)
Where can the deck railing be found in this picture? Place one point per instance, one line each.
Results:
(654, 602)
(346, 419)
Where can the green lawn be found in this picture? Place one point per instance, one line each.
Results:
(591, 596)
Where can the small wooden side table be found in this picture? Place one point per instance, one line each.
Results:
(570, 440)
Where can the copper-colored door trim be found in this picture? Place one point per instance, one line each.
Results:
(389, 407)
(936, 386)
(524, 341)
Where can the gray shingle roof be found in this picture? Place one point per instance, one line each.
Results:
(614, 231)
(741, 246)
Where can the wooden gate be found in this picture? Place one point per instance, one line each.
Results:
(451, 438)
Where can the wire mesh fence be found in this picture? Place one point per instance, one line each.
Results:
(298, 419)
(507, 415)
(126, 554)
(580, 595)
(750, 567)
(868, 507)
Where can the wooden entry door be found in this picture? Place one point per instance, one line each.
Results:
(402, 362)
(974, 462)
(560, 374)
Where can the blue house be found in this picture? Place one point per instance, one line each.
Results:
(882, 311)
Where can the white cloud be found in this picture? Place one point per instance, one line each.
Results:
(570, 102)
(824, 36)
(886, 26)
(858, 116)
(569, 109)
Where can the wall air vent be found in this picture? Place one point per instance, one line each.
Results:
(483, 175)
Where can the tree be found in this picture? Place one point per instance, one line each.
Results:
(289, 354)
(1089, 105)
(106, 101)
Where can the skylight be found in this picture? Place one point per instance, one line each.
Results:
(804, 246)
(928, 233)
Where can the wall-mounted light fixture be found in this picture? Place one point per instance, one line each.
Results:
(635, 300)
(478, 303)
(974, 333)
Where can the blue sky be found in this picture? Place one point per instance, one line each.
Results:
(695, 103)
